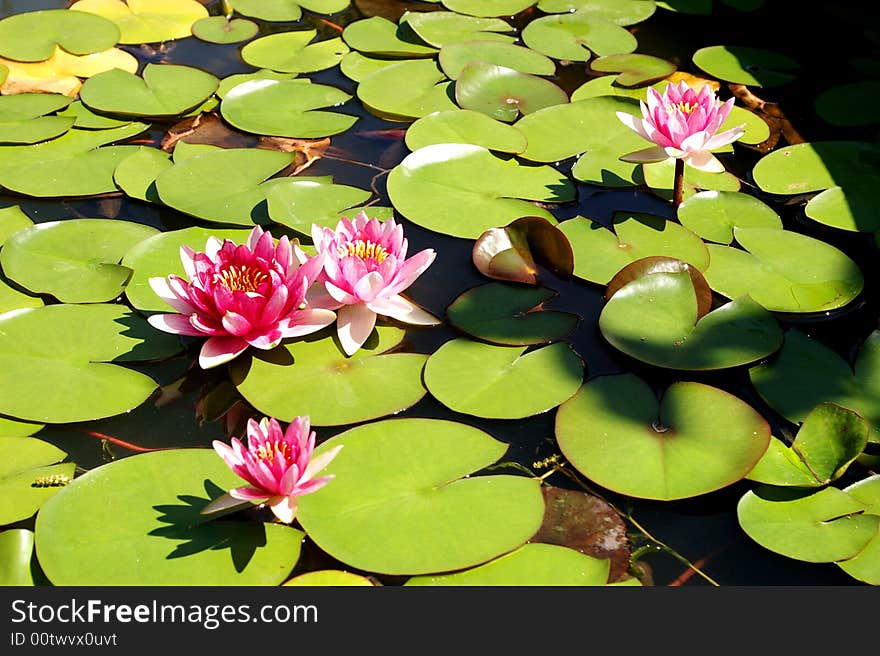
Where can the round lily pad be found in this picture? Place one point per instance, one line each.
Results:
(147, 21)
(504, 93)
(23, 117)
(511, 315)
(695, 440)
(488, 8)
(328, 578)
(61, 363)
(270, 10)
(219, 29)
(463, 190)
(750, 66)
(713, 215)
(76, 261)
(163, 90)
(314, 377)
(407, 90)
(865, 566)
(86, 119)
(654, 319)
(467, 127)
(502, 382)
(228, 83)
(32, 36)
(849, 105)
(294, 52)
(286, 108)
(577, 36)
(137, 521)
(357, 67)
(380, 37)
(301, 204)
(784, 271)
(29, 476)
(599, 253)
(16, 551)
(634, 69)
(403, 500)
(621, 12)
(439, 28)
(454, 57)
(136, 174)
(818, 527)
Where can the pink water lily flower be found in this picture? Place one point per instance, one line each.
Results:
(237, 296)
(365, 269)
(278, 466)
(683, 124)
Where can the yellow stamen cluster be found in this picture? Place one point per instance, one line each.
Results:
(267, 451)
(365, 250)
(684, 107)
(242, 278)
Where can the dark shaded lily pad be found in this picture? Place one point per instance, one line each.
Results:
(750, 66)
(849, 104)
(504, 93)
(513, 252)
(634, 69)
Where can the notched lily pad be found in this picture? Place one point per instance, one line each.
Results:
(33, 35)
(575, 37)
(713, 215)
(147, 21)
(294, 52)
(407, 90)
(440, 28)
(464, 126)
(219, 29)
(504, 93)
(634, 69)
(743, 65)
(454, 57)
(380, 37)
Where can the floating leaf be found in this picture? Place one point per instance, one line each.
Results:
(147, 21)
(328, 578)
(86, 119)
(660, 177)
(749, 66)
(695, 440)
(865, 566)
(575, 37)
(219, 29)
(504, 93)
(136, 174)
(301, 204)
(514, 251)
(13, 299)
(488, 8)
(12, 219)
(27, 464)
(32, 36)
(713, 215)
(294, 52)
(454, 57)
(659, 264)
(417, 500)
(356, 67)
(634, 69)
(379, 36)
(620, 12)
(228, 83)
(849, 105)
(270, 10)
(467, 127)
(23, 117)
(439, 28)
(137, 521)
(407, 90)
(16, 551)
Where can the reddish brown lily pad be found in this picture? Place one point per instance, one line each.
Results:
(513, 252)
(659, 264)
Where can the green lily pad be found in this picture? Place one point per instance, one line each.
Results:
(231, 81)
(411, 506)
(286, 108)
(60, 363)
(502, 382)
(357, 67)
(514, 252)
(454, 57)
(137, 521)
(713, 215)
(328, 578)
(33, 35)
(439, 28)
(695, 440)
(504, 93)
(576, 37)
(223, 186)
(866, 565)
(407, 90)
(467, 127)
(219, 29)
(828, 442)
(698, 7)
(380, 37)
(817, 527)
(660, 178)
(750, 66)
(74, 164)
(634, 69)
(849, 105)
(136, 174)
(784, 271)
(599, 253)
(15, 428)
(13, 299)
(147, 21)
(531, 564)
(12, 219)
(23, 117)
(488, 8)
(314, 377)
(16, 551)
(620, 12)
(269, 10)
(86, 119)
(605, 86)
(806, 373)
(76, 261)
(300, 204)
(654, 319)
(164, 90)
(27, 469)
(294, 52)
(463, 190)
(510, 315)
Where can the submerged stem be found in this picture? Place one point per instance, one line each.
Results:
(679, 182)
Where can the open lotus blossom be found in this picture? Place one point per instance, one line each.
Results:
(237, 296)
(278, 466)
(683, 124)
(365, 269)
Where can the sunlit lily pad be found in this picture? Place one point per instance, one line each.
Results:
(695, 440)
(440, 28)
(660, 177)
(162, 90)
(407, 90)
(137, 521)
(328, 578)
(300, 204)
(488, 8)
(357, 67)
(467, 127)
(828, 442)
(12, 219)
(621, 12)
(32, 36)
(16, 551)
(286, 108)
(463, 190)
(654, 319)
(86, 119)
(750, 66)
(866, 565)
(136, 174)
(784, 271)
(147, 21)
(26, 471)
(817, 527)
(380, 37)
(511, 315)
(502, 382)
(714, 214)
(23, 117)
(15, 428)
(634, 69)
(228, 83)
(577, 36)
(13, 299)
(454, 57)
(504, 93)
(76, 261)
(219, 29)
(314, 377)
(406, 486)
(287, 10)
(599, 253)
(698, 7)
(849, 104)
(294, 52)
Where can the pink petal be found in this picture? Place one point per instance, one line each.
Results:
(187, 256)
(339, 294)
(289, 479)
(319, 462)
(726, 137)
(652, 154)
(354, 325)
(174, 323)
(306, 322)
(227, 453)
(164, 290)
(411, 269)
(236, 324)
(319, 299)
(284, 508)
(266, 340)
(694, 143)
(402, 309)
(249, 493)
(633, 123)
(219, 350)
(705, 161)
(368, 287)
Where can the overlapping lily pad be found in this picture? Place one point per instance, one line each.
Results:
(634, 69)
(86, 119)
(12, 219)
(136, 174)
(29, 476)
(849, 104)
(439, 28)
(23, 117)
(865, 566)
(294, 52)
(695, 440)
(577, 36)
(621, 12)
(743, 65)
(32, 36)
(61, 363)
(463, 189)
(467, 127)
(327, 578)
(287, 10)
(407, 90)
(380, 37)
(137, 521)
(147, 21)
(300, 204)
(713, 215)
(502, 382)
(504, 93)
(410, 504)
(357, 67)
(454, 57)
(515, 252)
(219, 29)
(16, 551)
(488, 8)
(784, 271)
(660, 177)
(314, 377)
